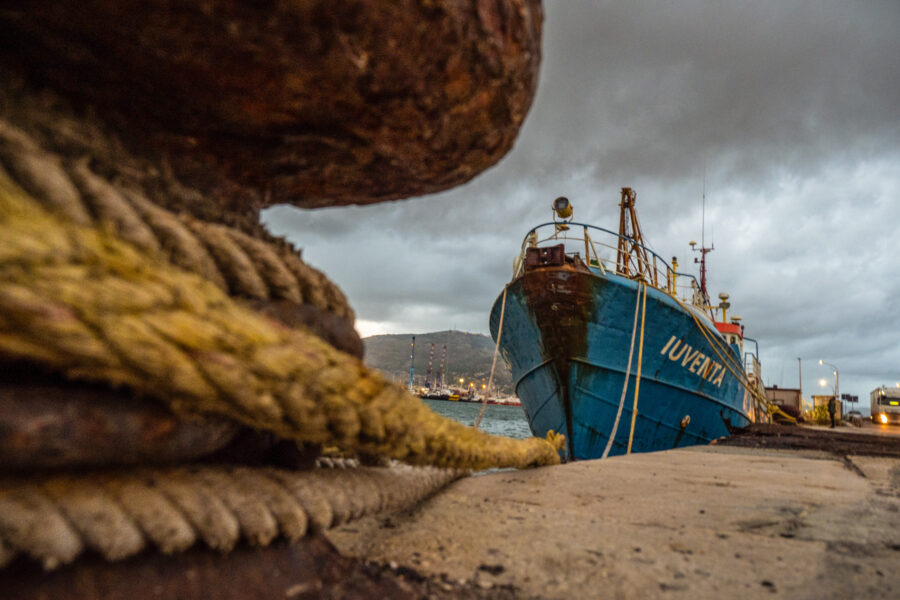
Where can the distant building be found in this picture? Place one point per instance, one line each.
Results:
(784, 397)
(823, 401)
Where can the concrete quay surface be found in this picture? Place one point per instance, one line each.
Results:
(704, 522)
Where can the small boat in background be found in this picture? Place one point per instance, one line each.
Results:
(613, 347)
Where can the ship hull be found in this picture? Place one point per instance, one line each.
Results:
(567, 335)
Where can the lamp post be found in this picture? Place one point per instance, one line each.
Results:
(836, 386)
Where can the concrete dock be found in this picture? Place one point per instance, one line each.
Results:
(704, 522)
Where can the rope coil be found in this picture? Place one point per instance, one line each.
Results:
(56, 518)
(80, 301)
(99, 284)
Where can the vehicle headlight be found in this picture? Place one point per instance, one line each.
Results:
(883, 418)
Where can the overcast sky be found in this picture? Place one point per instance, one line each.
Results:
(793, 108)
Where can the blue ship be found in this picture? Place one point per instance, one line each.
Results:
(611, 346)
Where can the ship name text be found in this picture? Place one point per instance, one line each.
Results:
(694, 361)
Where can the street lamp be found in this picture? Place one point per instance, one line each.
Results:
(836, 387)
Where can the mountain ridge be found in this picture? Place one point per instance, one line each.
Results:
(469, 356)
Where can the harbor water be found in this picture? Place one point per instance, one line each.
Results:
(498, 420)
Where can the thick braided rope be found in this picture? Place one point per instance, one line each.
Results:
(54, 519)
(234, 261)
(80, 301)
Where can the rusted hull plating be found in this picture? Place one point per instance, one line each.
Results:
(566, 336)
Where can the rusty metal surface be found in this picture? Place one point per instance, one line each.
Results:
(310, 102)
(562, 301)
(311, 568)
(49, 425)
(551, 256)
(330, 327)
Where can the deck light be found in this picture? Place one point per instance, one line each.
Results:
(883, 419)
(562, 207)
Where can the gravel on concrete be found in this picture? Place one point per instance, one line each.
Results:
(704, 522)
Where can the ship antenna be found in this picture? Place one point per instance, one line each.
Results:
(703, 211)
(703, 250)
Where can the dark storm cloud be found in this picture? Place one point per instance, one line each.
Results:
(792, 111)
(748, 84)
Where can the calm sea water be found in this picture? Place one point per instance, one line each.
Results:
(498, 420)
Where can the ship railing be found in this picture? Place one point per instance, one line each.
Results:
(602, 252)
(752, 366)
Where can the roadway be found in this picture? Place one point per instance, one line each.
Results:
(868, 427)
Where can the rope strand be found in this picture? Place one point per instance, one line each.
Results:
(637, 382)
(54, 519)
(80, 301)
(615, 428)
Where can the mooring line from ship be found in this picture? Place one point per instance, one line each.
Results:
(730, 363)
(615, 428)
(637, 383)
(78, 300)
(738, 373)
(733, 367)
(494, 361)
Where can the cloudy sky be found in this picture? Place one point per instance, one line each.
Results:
(792, 109)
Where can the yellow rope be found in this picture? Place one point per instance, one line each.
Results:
(736, 369)
(233, 261)
(627, 378)
(78, 300)
(637, 384)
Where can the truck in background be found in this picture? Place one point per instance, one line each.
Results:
(885, 405)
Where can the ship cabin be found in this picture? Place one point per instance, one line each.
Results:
(733, 334)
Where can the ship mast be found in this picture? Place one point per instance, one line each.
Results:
(440, 375)
(412, 353)
(428, 382)
(632, 259)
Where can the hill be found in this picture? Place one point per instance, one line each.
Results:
(469, 357)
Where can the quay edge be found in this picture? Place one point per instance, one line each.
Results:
(700, 522)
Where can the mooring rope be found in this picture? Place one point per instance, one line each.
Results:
(233, 261)
(55, 518)
(82, 302)
(615, 427)
(723, 353)
(490, 385)
(99, 284)
(637, 379)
